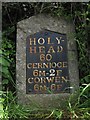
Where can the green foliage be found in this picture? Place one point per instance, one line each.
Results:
(5, 68)
(15, 110)
(58, 114)
(1, 106)
(7, 61)
(82, 38)
(81, 108)
(3, 110)
(9, 109)
(76, 107)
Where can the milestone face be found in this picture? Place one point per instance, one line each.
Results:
(46, 63)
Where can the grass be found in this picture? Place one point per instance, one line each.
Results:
(75, 109)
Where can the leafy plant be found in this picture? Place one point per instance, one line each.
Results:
(1, 106)
(3, 109)
(7, 61)
(9, 109)
(5, 68)
(7, 75)
(81, 108)
(16, 111)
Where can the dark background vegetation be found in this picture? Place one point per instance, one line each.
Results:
(78, 12)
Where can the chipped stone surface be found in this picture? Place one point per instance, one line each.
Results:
(28, 27)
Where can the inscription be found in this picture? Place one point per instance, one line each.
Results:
(46, 63)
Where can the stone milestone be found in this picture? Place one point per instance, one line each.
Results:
(47, 69)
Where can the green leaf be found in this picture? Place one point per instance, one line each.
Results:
(87, 78)
(5, 81)
(5, 70)
(85, 104)
(4, 62)
(1, 111)
(83, 91)
(0, 51)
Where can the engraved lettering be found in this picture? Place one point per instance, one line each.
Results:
(32, 41)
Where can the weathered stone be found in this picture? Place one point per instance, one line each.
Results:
(28, 27)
